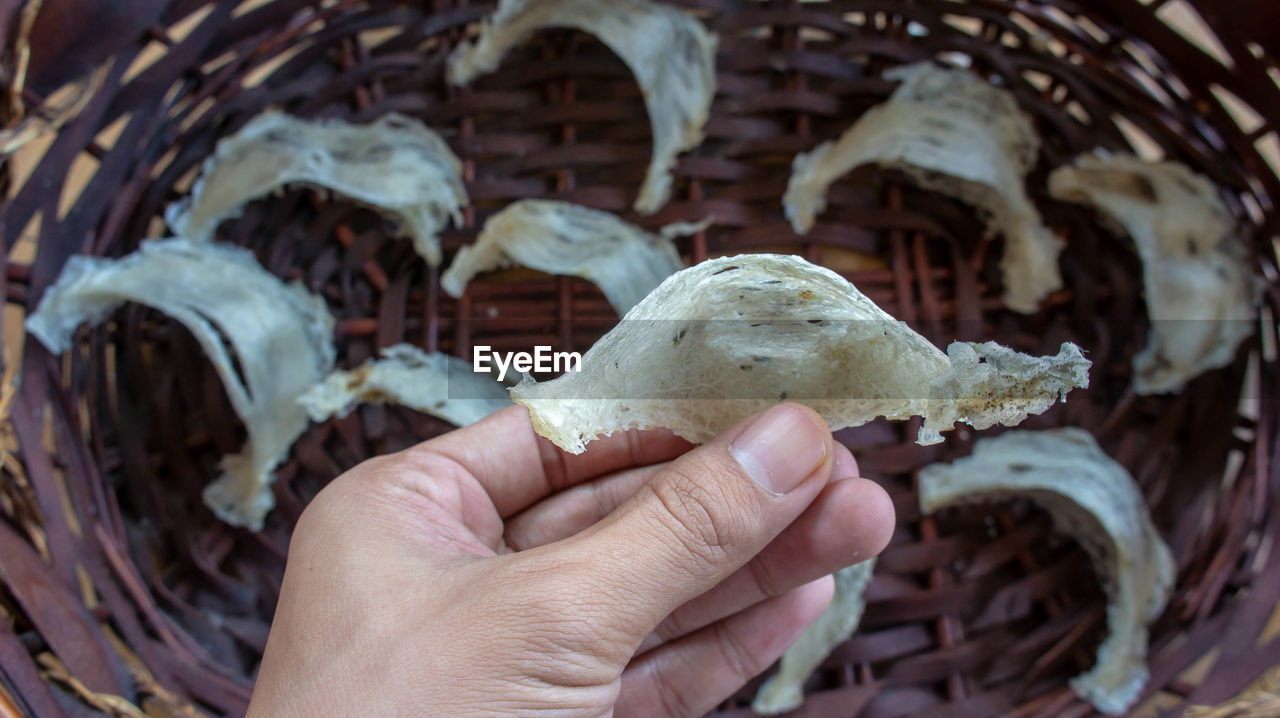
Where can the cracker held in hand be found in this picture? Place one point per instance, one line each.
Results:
(724, 339)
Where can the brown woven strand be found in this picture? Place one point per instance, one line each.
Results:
(122, 591)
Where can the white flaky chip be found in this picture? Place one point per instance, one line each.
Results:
(281, 335)
(719, 341)
(625, 261)
(395, 165)
(441, 385)
(670, 52)
(1201, 293)
(784, 690)
(1095, 501)
(951, 132)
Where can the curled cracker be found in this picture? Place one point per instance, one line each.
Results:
(441, 385)
(1095, 501)
(951, 132)
(670, 52)
(625, 261)
(1201, 293)
(395, 164)
(281, 335)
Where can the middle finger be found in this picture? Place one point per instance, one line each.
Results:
(849, 522)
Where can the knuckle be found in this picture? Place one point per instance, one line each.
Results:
(740, 660)
(673, 701)
(377, 466)
(762, 575)
(319, 515)
(672, 627)
(311, 522)
(598, 495)
(699, 517)
(635, 448)
(394, 468)
(555, 466)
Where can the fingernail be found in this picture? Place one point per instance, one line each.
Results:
(780, 449)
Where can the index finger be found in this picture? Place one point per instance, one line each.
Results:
(517, 467)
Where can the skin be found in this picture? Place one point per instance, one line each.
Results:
(488, 573)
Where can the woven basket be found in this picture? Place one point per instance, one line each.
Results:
(122, 594)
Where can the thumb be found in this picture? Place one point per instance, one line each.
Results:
(709, 512)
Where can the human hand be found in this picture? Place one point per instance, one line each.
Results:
(488, 573)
